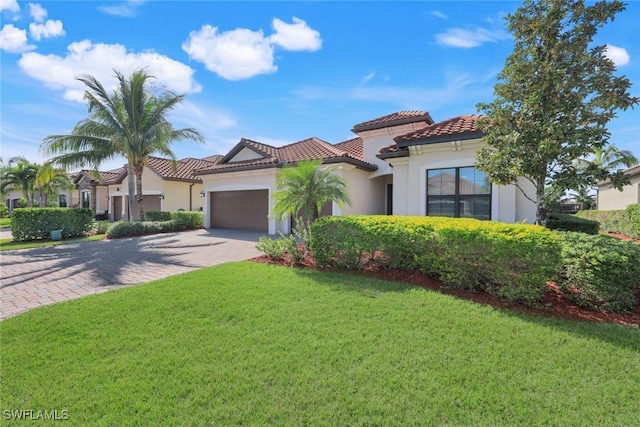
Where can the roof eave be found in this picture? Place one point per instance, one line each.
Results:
(438, 139)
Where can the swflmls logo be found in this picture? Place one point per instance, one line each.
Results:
(33, 414)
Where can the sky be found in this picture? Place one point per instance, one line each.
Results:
(274, 72)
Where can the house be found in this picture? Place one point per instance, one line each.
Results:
(164, 188)
(609, 198)
(402, 164)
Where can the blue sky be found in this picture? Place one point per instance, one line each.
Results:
(275, 72)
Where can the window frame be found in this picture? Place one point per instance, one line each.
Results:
(457, 197)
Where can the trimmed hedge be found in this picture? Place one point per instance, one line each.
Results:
(511, 261)
(600, 272)
(37, 223)
(179, 221)
(157, 216)
(625, 222)
(567, 222)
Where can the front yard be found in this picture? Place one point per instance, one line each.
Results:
(257, 344)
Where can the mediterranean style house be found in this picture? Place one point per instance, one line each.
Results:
(609, 198)
(401, 164)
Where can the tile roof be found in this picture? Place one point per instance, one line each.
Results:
(102, 178)
(394, 119)
(308, 149)
(184, 168)
(454, 126)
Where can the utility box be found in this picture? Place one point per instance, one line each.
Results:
(56, 234)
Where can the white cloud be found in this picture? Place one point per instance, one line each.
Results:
(49, 29)
(100, 61)
(367, 78)
(618, 55)
(126, 9)
(14, 40)
(295, 37)
(440, 15)
(234, 55)
(463, 38)
(9, 5)
(38, 13)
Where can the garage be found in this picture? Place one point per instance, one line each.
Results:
(240, 210)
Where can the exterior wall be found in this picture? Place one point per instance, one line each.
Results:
(366, 193)
(181, 195)
(610, 199)
(409, 181)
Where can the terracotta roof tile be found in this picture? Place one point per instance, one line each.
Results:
(307, 149)
(183, 171)
(394, 119)
(454, 126)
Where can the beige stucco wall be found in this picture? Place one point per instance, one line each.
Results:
(409, 181)
(366, 193)
(610, 199)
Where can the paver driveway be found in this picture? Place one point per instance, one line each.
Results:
(34, 277)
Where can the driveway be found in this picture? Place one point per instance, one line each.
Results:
(34, 277)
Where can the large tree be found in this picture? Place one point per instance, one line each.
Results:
(19, 174)
(553, 99)
(304, 188)
(130, 122)
(49, 180)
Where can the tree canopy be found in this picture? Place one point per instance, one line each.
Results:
(130, 122)
(553, 100)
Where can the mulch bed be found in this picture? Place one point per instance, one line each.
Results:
(553, 304)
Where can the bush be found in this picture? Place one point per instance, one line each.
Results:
(37, 223)
(511, 261)
(4, 212)
(567, 222)
(139, 228)
(101, 227)
(625, 222)
(187, 220)
(283, 246)
(600, 271)
(157, 216)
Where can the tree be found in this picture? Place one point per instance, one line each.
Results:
(50, 179)
(131, 122)
(553, 99)
(19, 174)
(305, 188)
(610, 158)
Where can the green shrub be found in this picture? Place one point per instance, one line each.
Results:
(625, 222)
(187, 220)
(4, 211)
(600, 271)
(37, 223)
(512, 261)
(567, 222)
(101, 227)
(139, 228)
(157, 216)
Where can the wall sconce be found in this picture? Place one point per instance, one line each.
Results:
(202, 193)
(161, 196)
(107, 198)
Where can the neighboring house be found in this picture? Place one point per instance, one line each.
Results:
(163, 187)
(609, 198)
(91, 190)
(403, 164)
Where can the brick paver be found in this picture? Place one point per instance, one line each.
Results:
(31, 278)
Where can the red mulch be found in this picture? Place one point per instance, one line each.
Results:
(553, 304)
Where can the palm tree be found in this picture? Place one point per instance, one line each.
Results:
(19, 174)
(48, 180)
(305, 188)
(131, 122)
(610, 158)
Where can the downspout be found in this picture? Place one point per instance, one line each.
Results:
(191, 196)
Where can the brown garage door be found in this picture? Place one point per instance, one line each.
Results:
(240, 210)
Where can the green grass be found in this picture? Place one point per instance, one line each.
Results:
(10, 245)
(256, 344)
(5, 222)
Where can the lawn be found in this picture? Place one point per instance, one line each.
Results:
(258, 344)
(9, 244)
(5, 222)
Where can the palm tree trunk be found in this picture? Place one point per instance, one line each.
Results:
(139, 197)
(132, 190)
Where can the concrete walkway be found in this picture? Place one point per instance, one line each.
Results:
(31, 278)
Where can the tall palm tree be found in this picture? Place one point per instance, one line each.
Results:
(19, 174)
(130, 122)
(305, 188)
(610, 158)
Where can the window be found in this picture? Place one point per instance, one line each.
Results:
(62, 200)
(458, 192)
(86, 199)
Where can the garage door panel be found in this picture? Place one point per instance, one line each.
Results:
(240, 210)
